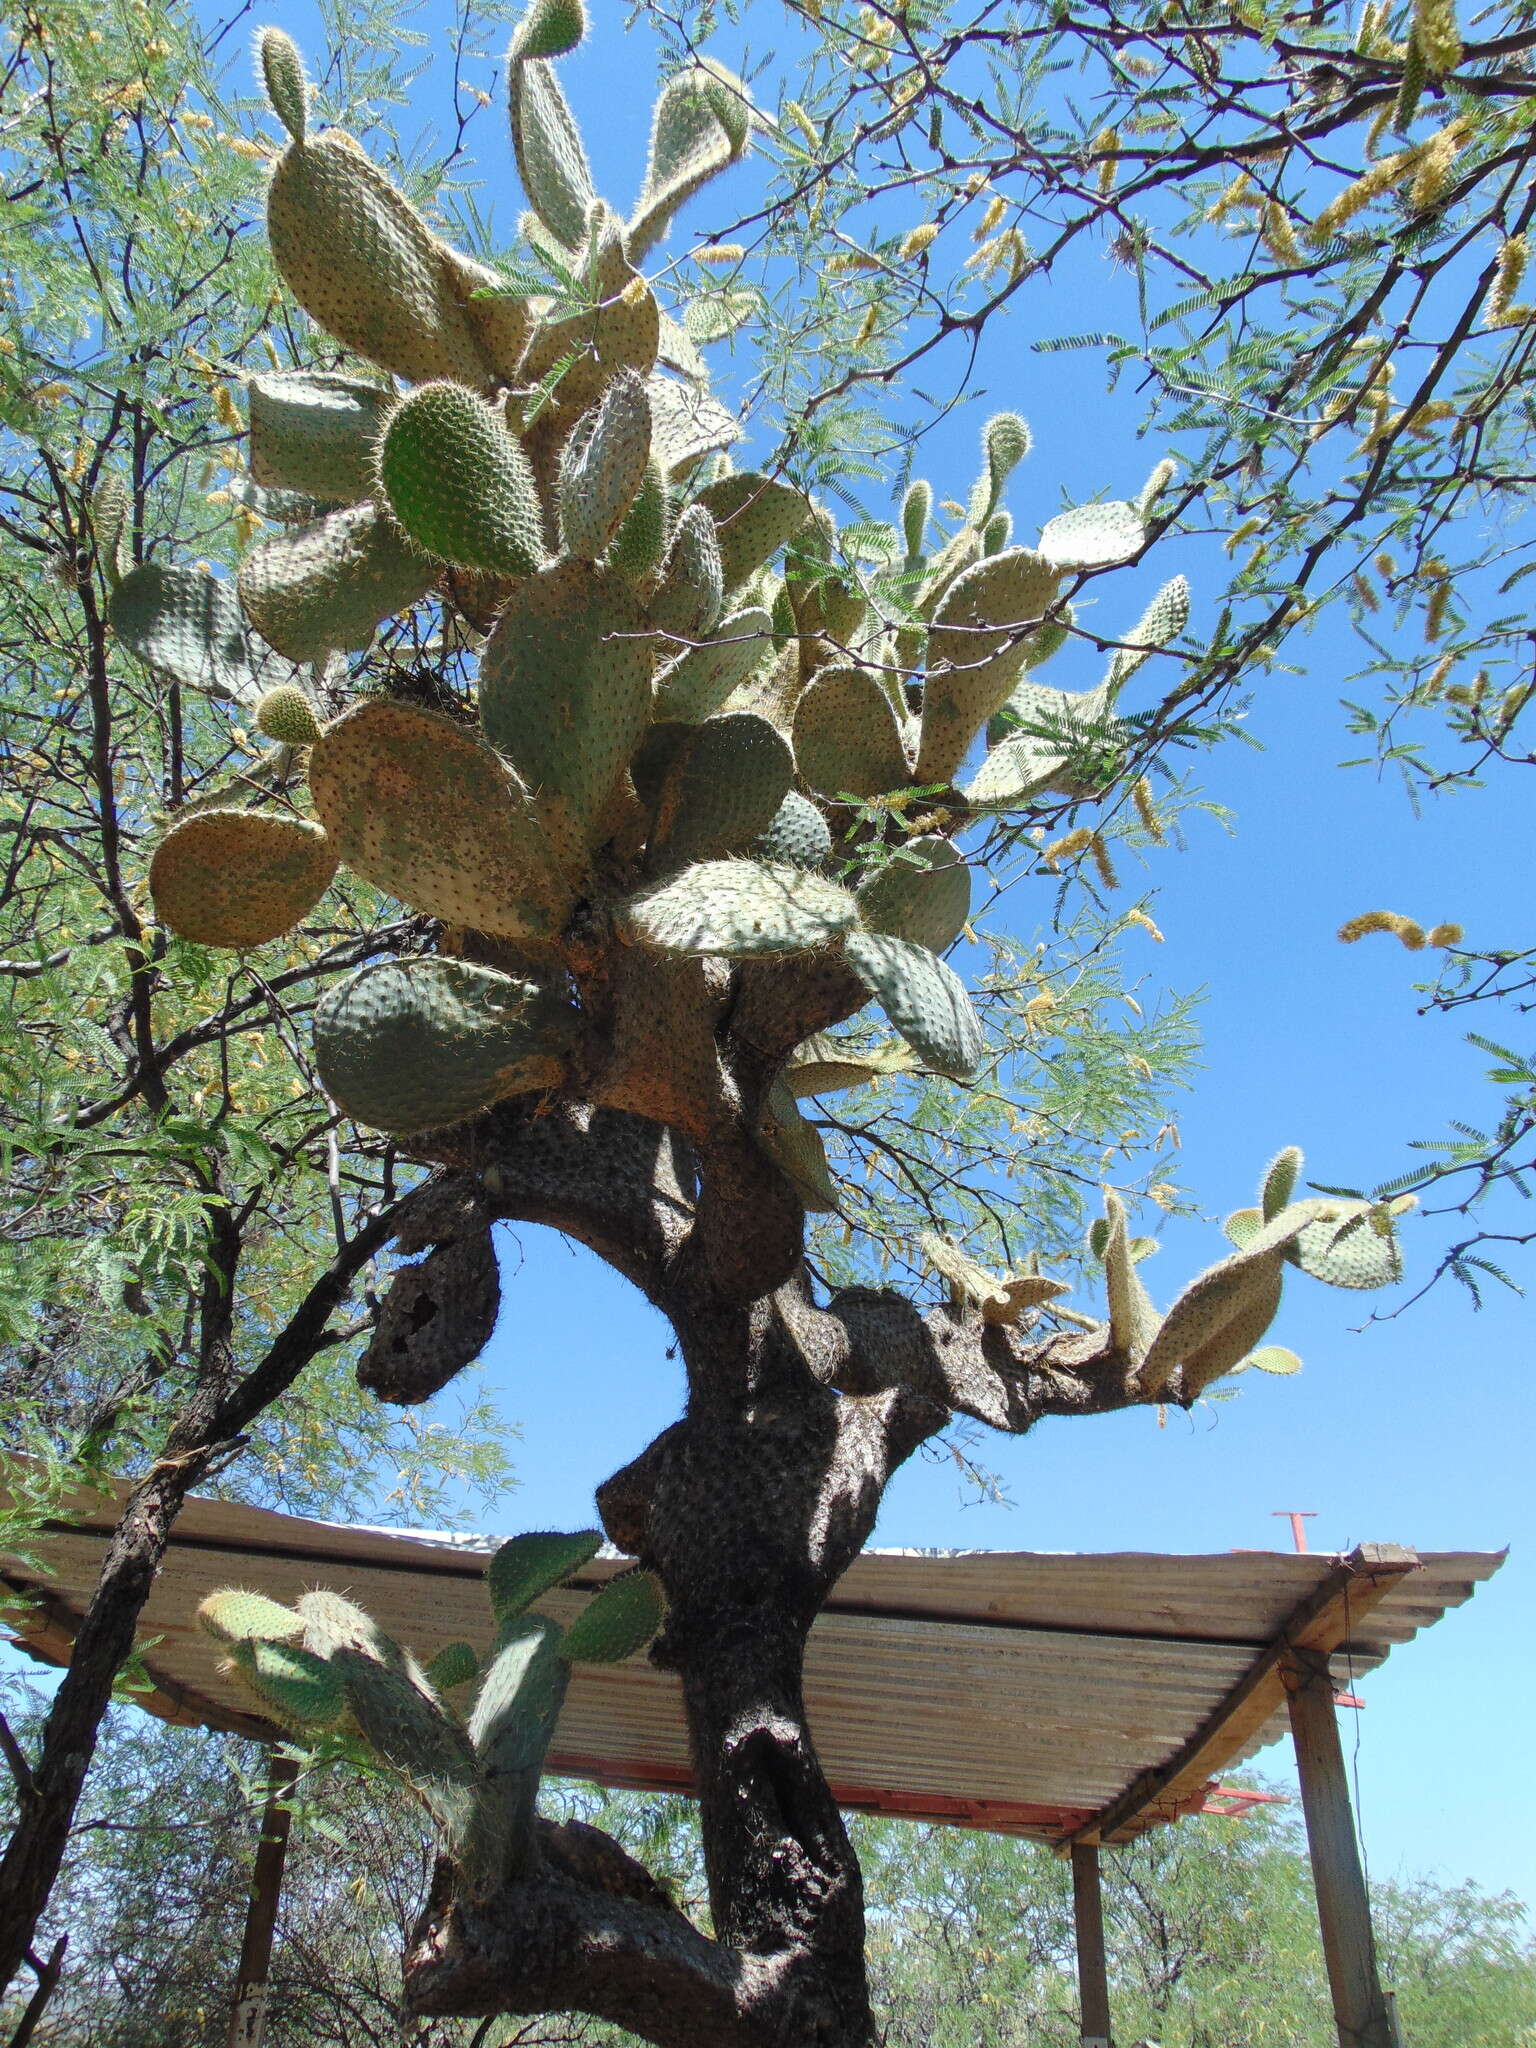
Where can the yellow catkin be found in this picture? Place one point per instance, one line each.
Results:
(1063, 849)
(1435, 160)
(1434, 611)
(1102, 861)
(996, 207)
(1106, 145)
(1377, 130)
(225, 410)
(1428, 692)
(799, 118)
(1436, 32)
(1365, 591)
(721, 255)
(1238, 194)
(1425, 418)
(1007, 249)
(1140, 917)
(868, 324)
(1279, 236)
(1378, 179)
(1403, 928)
(1509, 270)
(1146, 810)
(851, 259)
(1445, 935)
(918, 239)
(1246, 531)
(1386, 566)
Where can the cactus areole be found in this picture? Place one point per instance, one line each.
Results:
(643, 869)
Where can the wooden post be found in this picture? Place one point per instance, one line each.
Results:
(1360, 2011)
(1092, 1970)
(250, 2015)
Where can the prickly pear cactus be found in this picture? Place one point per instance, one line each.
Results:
(323, 1665)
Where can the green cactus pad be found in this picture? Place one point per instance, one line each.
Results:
(1002, 1298)
(847, 740)
(239, 878)
(454, 1665)
(186, 624)
(755, 516)
(1163, 620)
(1049, 724)
(1005, 441)
(301, 1690)
(640, 545)
(1215, 1323)
(332, 1623)
(997, 533)
(459, 484)
(825, 1065)
(510, 1728)
(615, 1622)
(975, 651)
(798, 833)
(397, 1715)
(362, 262)
(286, 714)
(1355, 1247)
(1011, 775)
(686, 423)
(1272, 1358)
(111, 510)
(1279, 1181)
(916, 511)
(925, 1000)
(739, 909)
(923, 893)
(412, 1045)
(618, 331)
(282, 76)
(700, 126)
(795, 1147)
(565, 694)
(1133, 1321)
(326, 587)
(697, 683)
(422, 809)
(691, 593)
(314, 433)
(502, 325)
(1093, 536)
(550, 28)
(723, 786)
(236, 1616)
(551, 161)
(529, 1566)
(603, 466)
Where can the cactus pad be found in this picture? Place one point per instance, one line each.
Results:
(423, 810)
(798, 833)
(411, 1045)
(739, 909)
(1163, 620)
(322, 588)
(616, 1622)
(1093, 536)
(698, 682)
(699, 127)
(300, 1689)
(975, 651)
(529, 1566)
(314, 433)
(825, 1065)
(603, 466)
(239, 878)
(1279, 1182)
(847, 741)
(925, 1000)
(282, 76)
(186, 624)
(723, 786)
(1355, 1246)
(235, 1616)
(795, 1147)
(755, 516)
(691, 593)
(923, 893)
(459, 484)
(454, 1665)
(565, 693)
(687, 423)
(640, 544)
(362, 262)
(285, 714)
(547, 143)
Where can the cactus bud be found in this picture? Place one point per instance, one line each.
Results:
(286, 714)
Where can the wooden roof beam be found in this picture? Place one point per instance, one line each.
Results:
(1321, 1622)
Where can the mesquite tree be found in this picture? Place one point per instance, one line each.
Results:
(710, 804)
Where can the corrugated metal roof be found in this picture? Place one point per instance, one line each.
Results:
(1014, 1690)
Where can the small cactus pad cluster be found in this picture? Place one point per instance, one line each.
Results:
(701, 714)
(324, 1667)
(1216, 1325)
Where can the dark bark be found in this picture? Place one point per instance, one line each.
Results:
(205, 1433)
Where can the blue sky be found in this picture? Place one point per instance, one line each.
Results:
(1414, 1430)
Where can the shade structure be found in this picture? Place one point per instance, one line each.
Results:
(1063, 1697)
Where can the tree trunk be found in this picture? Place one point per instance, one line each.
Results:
(749, 1509)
